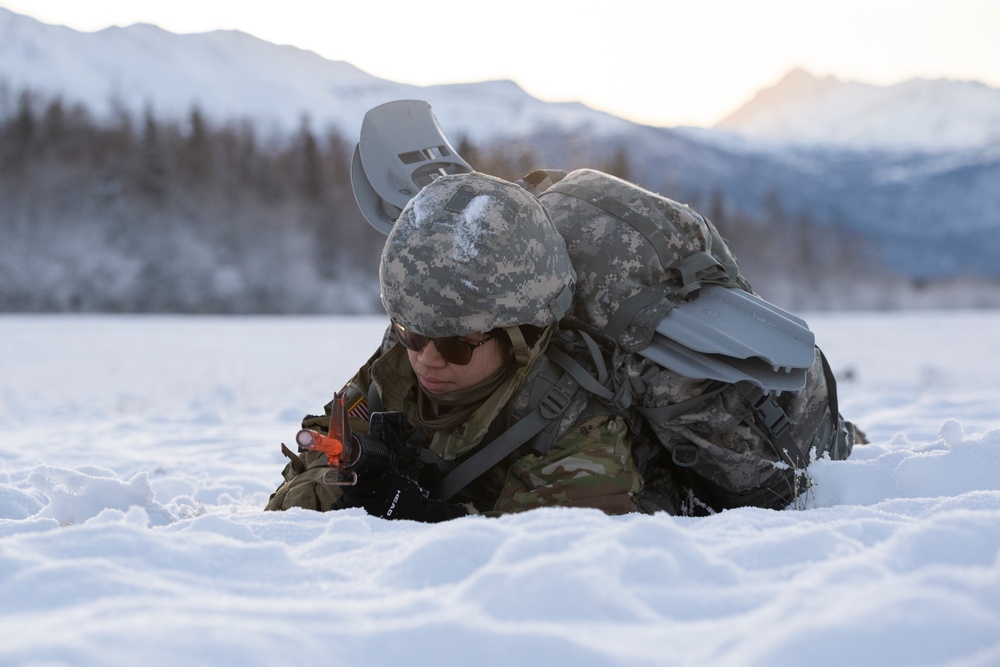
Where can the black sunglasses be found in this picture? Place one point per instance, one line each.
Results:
(453, 349)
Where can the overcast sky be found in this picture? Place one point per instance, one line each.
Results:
(662, 62)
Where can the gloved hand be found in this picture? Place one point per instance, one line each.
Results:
(303, 486)
(396, 495)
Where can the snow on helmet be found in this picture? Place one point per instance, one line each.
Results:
(471, 253)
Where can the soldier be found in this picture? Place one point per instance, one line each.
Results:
(475, 277)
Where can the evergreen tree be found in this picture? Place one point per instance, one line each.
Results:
(153, 170)
(311, 162)
(197, 154)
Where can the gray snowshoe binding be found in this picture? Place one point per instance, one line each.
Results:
(402, 149)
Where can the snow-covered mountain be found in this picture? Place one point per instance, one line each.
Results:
(918, 114)
(230, 74)
(912, 167)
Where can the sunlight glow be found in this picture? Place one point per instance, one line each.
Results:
(665, 63)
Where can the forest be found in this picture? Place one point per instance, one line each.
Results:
(143, 214)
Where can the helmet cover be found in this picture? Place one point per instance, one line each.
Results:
(470, 253)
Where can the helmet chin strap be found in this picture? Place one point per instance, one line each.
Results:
(519, 345)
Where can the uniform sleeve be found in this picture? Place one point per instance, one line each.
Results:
(591, 466)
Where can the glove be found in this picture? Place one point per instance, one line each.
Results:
(303, 485)
(396, 495)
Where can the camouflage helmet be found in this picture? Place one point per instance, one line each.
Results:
(471, 253)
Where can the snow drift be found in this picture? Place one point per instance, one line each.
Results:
(138, 451)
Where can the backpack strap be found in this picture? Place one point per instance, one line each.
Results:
(683, 455)
(551, 397)
(642, 224)
(702, 268)
(623, 316)
(374, 400)
(551, 405)
(771, 418)
(595, 385)
(831, 391)
(541, 180)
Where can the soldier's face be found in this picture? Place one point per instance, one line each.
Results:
(438, 377)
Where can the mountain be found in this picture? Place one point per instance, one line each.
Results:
(918, 114)
(911, 168)
(230, 74)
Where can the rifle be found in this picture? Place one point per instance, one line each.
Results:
(357, 455)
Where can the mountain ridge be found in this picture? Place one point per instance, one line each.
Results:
(231, 73)
(917, 114)
(932, 208)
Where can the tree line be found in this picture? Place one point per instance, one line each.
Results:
(145, 214)
(140, 213)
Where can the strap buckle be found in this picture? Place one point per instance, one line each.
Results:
(772, 417)
(555, 401)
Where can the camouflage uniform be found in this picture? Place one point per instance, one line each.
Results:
(590, 465)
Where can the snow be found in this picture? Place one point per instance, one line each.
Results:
(918, 114)
(137, 453)
(231, 75)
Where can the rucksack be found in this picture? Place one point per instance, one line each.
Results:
(711, 431)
